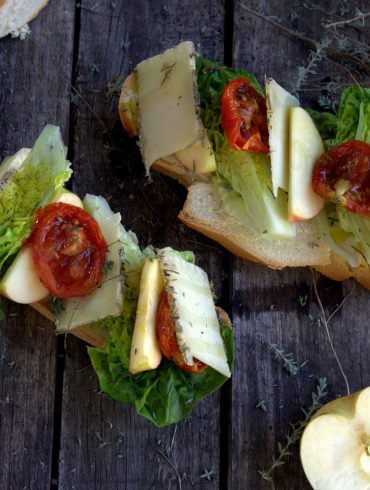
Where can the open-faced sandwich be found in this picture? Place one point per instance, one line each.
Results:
(254, 165)
(157, 339)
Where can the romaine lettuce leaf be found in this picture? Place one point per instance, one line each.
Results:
(43, 173)
(164, 395)
(347, 234)
(247, 174)
(327, 124)
(354, 115)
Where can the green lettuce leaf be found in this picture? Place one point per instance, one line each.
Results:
(354, 115)
(246, 174)
(164, 395)
(327, 124)
(43, 173)
(347, 234)
(249, 175)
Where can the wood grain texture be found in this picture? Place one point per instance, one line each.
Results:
(129, 443)
(34, 81)
(266, 305)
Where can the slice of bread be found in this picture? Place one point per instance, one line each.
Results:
(15, 14)
(203, 211)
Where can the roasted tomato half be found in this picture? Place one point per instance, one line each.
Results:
(244, 117)
(167, 338)
(68, 250)
(342, 176)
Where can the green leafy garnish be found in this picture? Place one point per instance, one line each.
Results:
(43, 173)
(164, 395)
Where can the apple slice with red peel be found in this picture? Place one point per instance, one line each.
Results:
(305, 146)
(335, 446)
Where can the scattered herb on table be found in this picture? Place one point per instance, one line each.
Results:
(296, 430)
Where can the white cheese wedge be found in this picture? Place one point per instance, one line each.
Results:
(306, 146)
(106, 300)
(193, 312)
(145, 351)
(169, 110)
(278, 103)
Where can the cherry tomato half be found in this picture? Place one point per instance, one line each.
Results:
(68, 250)
(342, 176)
(244, 117)
(167, 338)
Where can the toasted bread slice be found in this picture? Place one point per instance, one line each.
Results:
(203, 211)
(15, 14)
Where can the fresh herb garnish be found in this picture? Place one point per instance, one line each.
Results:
(108, 266)
(57, 305)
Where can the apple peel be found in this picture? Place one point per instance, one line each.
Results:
(336, 443)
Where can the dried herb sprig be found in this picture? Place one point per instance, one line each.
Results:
(114, 88)
(296, 430)
(332, 54)
(291, 366)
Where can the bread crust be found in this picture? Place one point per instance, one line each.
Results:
(339, 270)
(128, 106)
(21, 23)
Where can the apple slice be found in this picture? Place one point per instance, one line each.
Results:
(145, 351)
(335, 446)
(305, 146)
(278, 103)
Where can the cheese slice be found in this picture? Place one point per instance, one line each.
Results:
(193, 312)
(106, 300)
(278, 103)
(169, 110)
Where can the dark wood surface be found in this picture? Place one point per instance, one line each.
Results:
(56, 429)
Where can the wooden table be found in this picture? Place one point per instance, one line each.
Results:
(56, 429)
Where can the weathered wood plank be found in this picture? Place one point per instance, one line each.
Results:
(272, 307)
(34, 76)
(129, 443)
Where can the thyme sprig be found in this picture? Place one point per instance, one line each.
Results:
(291, 366)
(347, 54)
(114, 88)
(296, 430)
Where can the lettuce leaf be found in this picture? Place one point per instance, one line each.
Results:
(347, 234)
(164, 395)
(327, 124)
(43, 173)
(246, 174)
(354, 115)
